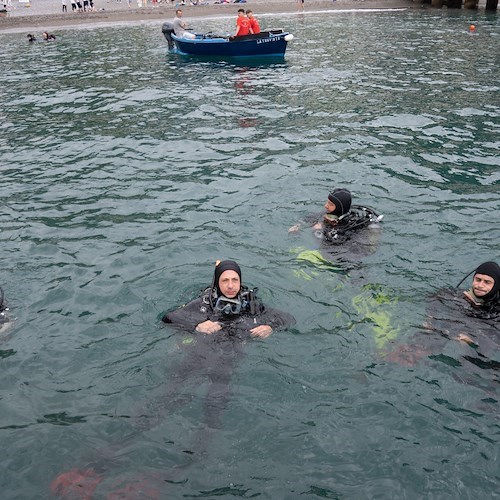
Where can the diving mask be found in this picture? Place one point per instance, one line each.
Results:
(228, 306)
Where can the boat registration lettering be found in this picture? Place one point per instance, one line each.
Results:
(267, 40)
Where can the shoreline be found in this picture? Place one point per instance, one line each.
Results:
(47, 16)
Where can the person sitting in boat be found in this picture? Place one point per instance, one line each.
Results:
(341, 220)
(180, 27)
(228, 307)
(254, 24)
(242, 24)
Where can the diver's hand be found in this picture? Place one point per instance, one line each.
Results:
(208, 327)
(294, 229)
(317, 226)
(262, 331)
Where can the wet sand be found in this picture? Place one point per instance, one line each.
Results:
(47, 14)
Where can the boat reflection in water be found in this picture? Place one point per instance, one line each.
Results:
(267, 43)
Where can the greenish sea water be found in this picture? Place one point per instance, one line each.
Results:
(126, 172)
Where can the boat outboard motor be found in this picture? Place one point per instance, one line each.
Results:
(167, 30)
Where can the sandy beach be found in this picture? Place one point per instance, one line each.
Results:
(48, 15)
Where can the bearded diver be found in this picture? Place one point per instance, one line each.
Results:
(484, 294)
(470, 317)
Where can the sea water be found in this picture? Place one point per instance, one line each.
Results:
(127, 171)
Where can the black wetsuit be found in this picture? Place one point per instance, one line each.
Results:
(351, 238)
(450, 314)
(454, 298)
(213, 358)
(346, 226)
(252, 314)
(461, 336)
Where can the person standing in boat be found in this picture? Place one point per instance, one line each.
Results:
(254, 24)
(180, 27)
(242, 24)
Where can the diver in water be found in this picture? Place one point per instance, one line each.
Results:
(229, 306)
(470, 317)
(4, 318)
(224, 316)
(48, 36)
(341, 219)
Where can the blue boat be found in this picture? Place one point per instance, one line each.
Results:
(267, 43)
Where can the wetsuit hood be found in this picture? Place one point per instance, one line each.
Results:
(225, 265)
(342, 199)
(491, 269)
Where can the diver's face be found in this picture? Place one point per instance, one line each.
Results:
(482, 284)
(229, 284)
(330, 206)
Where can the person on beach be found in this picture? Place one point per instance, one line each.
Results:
(65, 5)
(254, 24)
(74, 7)
(180, 27)
(228, 307)
(242, 24)
(341, 219)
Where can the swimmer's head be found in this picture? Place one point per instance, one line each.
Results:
(486, 281)
(227, 278)
(339, 202)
